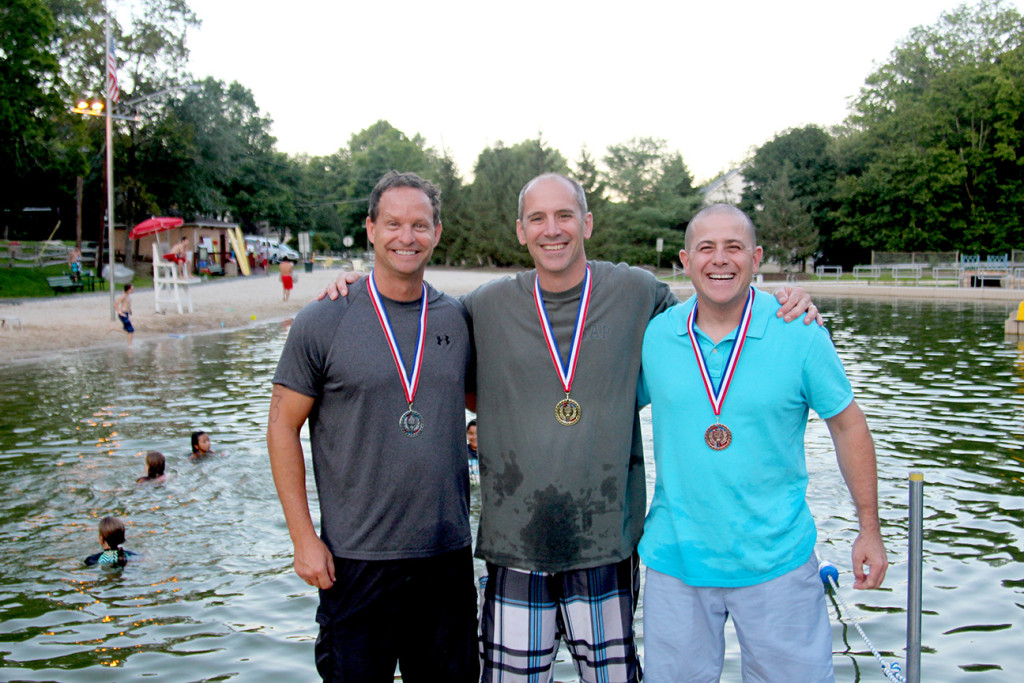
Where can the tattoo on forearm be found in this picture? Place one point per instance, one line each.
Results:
(275, 406)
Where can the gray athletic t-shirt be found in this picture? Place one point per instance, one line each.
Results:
(384, 495)
(556, 498)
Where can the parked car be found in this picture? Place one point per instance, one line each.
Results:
(274, 250)
(286, 252)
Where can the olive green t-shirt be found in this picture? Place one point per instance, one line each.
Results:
(554, 497)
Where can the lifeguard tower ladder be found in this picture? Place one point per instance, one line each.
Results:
(167, 286)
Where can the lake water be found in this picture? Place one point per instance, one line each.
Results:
(215, 598)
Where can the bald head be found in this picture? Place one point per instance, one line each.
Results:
(577, 190)
(722, 210)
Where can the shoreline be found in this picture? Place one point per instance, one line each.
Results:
(71, 323)
(875, 291)
(74, 323)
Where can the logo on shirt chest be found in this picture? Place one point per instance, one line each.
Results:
(597, 331)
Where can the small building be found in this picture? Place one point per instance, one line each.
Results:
(209, 239)
(725, 189)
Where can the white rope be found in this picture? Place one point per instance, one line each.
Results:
(893, 672)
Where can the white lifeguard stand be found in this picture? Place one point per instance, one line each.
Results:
(167, 286)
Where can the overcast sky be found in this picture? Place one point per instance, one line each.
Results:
(714, 80)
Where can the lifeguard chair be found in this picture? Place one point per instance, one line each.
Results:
(168, 287)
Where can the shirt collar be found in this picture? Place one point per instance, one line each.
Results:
(765, 306)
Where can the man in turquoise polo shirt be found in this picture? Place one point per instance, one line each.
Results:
(729, 531)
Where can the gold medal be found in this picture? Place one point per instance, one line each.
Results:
(567, 411)
(718, 437)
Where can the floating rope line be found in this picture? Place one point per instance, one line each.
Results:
(829, 576)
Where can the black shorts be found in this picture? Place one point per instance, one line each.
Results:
(419, 613)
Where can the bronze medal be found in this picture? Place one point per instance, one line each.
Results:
(718, 437)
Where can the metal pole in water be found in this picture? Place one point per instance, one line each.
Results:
(915, 552)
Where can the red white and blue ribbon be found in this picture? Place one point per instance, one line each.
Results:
(717, 396)
(409, 382)
(567, 371)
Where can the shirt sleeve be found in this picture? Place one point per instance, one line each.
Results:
(303, 360)
(826, 385)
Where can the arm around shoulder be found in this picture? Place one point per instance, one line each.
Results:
(796, 301)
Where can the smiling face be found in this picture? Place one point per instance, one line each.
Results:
(403, 235)
(553, 228)
(471, 436)
(721, 258)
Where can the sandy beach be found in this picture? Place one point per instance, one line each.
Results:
(68, 323)
(72, 322)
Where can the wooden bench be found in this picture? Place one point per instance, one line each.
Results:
(60, 283)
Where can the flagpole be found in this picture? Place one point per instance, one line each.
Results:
(110, 162)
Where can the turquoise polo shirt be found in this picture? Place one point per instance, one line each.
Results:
(739, 516)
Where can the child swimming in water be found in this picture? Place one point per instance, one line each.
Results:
(200, 445)
(111, 538)
(155, 463)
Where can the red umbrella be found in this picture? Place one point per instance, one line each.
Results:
(154, 225)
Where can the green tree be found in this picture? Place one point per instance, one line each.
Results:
(493, 198)
(212, 155)
(372, 152)
(807, 158)
(785, 228)
(151, 46)
(589, 176)
(29, 106)
(937, 132)
(321, 190)
(457, 233)
(656, 200)
(634, 169)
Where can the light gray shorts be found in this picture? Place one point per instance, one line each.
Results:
(782, 626)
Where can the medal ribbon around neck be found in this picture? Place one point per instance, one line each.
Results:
(717, 398)
(568, 371)
(409, 383)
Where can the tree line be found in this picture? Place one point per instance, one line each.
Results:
(930, 157)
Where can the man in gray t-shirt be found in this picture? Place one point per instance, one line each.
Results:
(381, 379)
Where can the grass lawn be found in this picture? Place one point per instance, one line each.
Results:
(26, 283)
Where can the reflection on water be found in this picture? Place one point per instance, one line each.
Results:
(214, 597)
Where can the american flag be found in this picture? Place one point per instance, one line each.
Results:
(112, 88)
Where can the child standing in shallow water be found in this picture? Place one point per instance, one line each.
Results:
(155, 463)
(111, 538)
(123, 306)
(200, 445)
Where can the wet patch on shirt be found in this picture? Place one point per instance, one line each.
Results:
(560, 527)
(506, 481)
(610, 489)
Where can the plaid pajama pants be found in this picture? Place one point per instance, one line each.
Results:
(526, 614)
